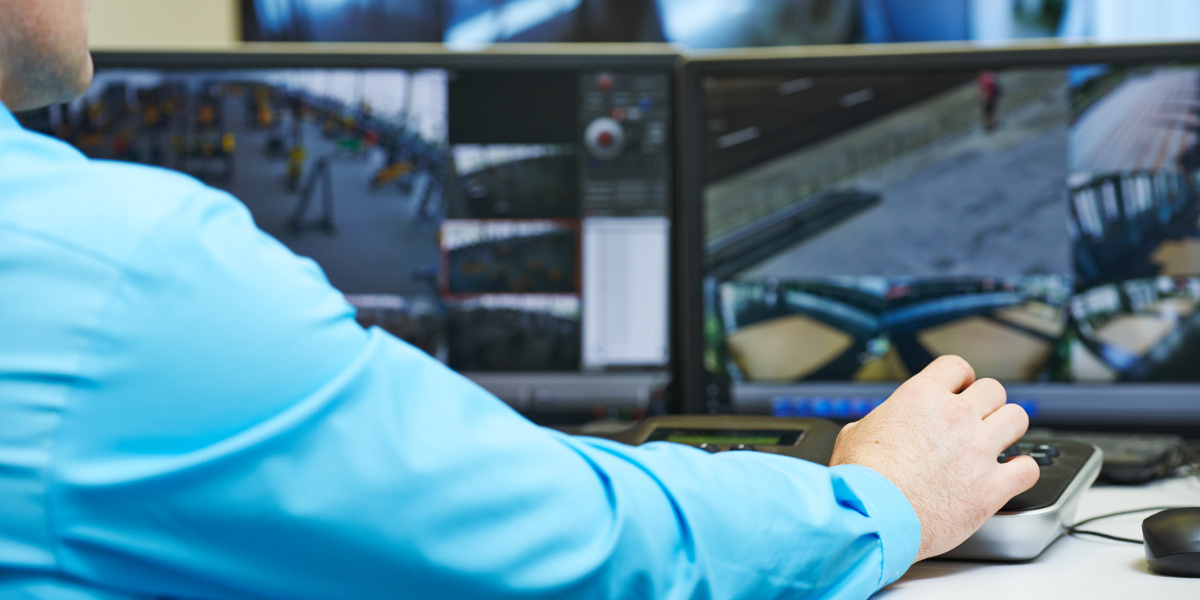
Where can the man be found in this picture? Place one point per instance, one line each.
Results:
(189, 410)
(989, 93)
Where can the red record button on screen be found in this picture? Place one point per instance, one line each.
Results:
(605, 138)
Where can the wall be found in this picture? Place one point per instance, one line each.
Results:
(119, 23)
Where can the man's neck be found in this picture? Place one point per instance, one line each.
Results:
(7, 103)
(5, 67)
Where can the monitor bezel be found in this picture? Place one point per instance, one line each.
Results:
(509, 57)
(1175, 407)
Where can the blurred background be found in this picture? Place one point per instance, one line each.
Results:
(698, 24)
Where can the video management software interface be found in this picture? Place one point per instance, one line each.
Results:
(512, 224)
(1039, 222)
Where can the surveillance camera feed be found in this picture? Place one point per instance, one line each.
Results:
(514, 225)
(1042, 223)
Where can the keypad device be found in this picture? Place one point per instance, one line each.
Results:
(1059, 460)
(1032, 520)
(1043, 453)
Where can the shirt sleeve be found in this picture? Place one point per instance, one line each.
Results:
(236, 434)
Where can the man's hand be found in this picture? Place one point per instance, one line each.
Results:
(937, 439)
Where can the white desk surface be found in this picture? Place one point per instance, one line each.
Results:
(1078, 567)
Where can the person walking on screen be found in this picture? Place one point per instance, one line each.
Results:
(989, 94)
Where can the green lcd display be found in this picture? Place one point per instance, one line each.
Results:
(749, 437)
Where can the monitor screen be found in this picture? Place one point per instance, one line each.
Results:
(512, 221)
(1035, 212)
(694, 23)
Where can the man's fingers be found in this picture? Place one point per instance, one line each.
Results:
(1018, 475)
(950, 372)
(1005, 426)
(987, 395)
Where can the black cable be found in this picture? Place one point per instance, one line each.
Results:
(1122, 513)
(1075, 530)
(1193, 465)
(1106, 536)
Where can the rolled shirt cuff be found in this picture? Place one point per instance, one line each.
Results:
(898, 525)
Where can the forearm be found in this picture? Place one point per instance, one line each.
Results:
(755, 525)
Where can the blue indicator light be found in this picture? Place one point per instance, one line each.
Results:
(802, 408)
(862, 406)
(821, 407)
(781, 406)
(842, 408)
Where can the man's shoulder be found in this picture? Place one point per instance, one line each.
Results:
(100, 207)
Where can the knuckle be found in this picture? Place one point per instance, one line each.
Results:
(920, 383)
(954, 361)
(1012, 419)
(991, 387)
(920, 386)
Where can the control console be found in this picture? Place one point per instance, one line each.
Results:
(1021, 530)
(804, 438)
(1028, 523)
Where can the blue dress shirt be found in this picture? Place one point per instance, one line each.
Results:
(187, 409)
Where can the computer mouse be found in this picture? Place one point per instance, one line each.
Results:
(1173, 541)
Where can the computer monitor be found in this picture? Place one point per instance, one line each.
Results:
(509, 213)
(693, 23)
(853, 213)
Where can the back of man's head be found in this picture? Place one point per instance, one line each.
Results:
(43, 51)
